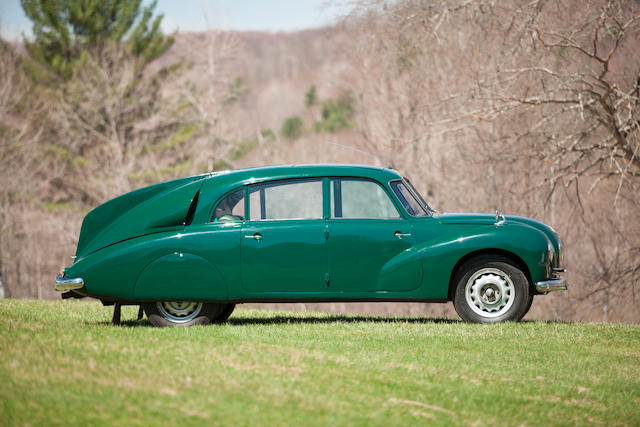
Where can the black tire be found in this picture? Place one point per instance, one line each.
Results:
(222, 317)
(186, 313)
(491, 289)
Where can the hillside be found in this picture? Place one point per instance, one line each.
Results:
(529, 108)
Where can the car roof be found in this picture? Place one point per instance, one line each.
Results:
(267, 173)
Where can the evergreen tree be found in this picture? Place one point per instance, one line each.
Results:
(292, 127)
(310, 97)
(66, 30)
(337, 114)
(105, 116)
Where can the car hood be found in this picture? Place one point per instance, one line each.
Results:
(490, 219)
(148, 210)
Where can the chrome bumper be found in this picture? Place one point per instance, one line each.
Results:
(63, 284)
(556, 284)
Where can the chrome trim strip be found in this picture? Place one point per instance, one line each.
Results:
(545, 286)
(63, 284)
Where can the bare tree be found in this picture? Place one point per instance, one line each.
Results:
(213, 94)
(19, 159)
(580, 95)
(106, 120)
(534, 104)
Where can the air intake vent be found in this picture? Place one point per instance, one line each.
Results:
(192, 209)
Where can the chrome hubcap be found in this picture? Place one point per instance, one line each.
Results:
(490, 292)
(179, 311)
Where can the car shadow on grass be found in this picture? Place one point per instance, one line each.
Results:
(132, 323)
(338, 318)
(280, 319)
(323, 319)
(293, 319)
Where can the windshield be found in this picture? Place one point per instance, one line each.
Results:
(419, 197)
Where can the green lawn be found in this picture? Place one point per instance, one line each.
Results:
(61, 362)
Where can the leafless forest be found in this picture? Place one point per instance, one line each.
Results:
(526, 107)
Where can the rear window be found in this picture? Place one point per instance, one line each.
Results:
(231, 208)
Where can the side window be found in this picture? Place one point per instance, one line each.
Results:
(359, 198)
(406, 198)
(231, 208)
(286, 200)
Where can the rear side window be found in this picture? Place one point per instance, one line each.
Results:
(360, 198)
(231, 208)
(286, 200)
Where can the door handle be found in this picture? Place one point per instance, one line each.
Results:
(400, 235)
(256, 236)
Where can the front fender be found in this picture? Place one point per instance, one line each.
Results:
(401, 273)
(441, 254)
(180, 276)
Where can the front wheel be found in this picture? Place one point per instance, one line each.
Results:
(186, 313)
(491, 289)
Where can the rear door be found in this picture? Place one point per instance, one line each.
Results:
(368, 240)
(283, 242)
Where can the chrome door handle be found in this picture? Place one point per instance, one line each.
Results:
(256, 236)
(400, 235)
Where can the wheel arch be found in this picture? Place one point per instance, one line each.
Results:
(487, 252)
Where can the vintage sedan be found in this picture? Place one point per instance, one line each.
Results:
(186, 251)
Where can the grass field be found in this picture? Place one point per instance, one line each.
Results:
(63, 363)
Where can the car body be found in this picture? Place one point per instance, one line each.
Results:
(304, 233)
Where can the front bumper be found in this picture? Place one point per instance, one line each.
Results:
(555, 284)
(63, 284)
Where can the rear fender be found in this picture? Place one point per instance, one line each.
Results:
(180, 276)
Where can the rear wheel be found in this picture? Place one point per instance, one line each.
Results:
(491, 289)
(186, 313)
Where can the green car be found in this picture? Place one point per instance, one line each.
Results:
(186, 251)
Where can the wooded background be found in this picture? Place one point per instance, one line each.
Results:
(526, 107)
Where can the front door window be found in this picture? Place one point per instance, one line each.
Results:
(359, 198)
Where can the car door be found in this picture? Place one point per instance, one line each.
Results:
(368, 240)
(283, 242)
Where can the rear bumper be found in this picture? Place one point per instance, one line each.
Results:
(63, 284)
(556, 284)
